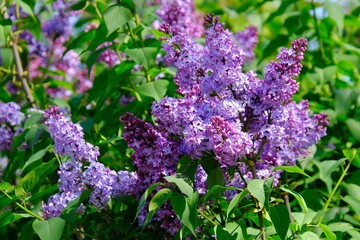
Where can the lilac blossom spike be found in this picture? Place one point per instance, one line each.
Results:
(182, 17)
(68, 137)
(10, 119)
(247, 41)
(82, 171)
(155, 155)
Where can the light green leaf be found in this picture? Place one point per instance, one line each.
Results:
(5, 186)
(144, 56)
(309, 236)
(354, 127)
(298, 197)
(328, 233)
(292, 169)
(159, 198)
(256, 189)
(340, 227)
(182, 183)
(156, 89)
(116, 16)
(336, 12)
(50, 229)
(353, 156)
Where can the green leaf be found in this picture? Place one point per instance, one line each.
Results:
(33, 118)
(143, 198)
(116, 16)
(292, 169)
(159, 198)
(302, 218)
(5, 186)
(309, 236)
(144, 56)
(35, 157)
(340, 227)
(156, 89)
(8, 217)
(256, 189)
(353, 155)
(235, 201)
(336, 12)
(327, 168)
(354, 127)
(281, 220)
(328, 233)
(50, 229)
(26, 8)
(32, 178)
(298, 197)
(213, 170)
(185, 209)
(182, 183)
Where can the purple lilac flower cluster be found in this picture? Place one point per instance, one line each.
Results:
(181, 16)
(249, 124)
(82, 171)
(240, 118)
(247, 40)
(10, 119)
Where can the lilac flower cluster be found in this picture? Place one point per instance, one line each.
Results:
(181, 16)
(247, 41)
(10, 119)
(237, 116)
(82, 171)
(248, 124)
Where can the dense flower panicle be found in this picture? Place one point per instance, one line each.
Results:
(247, 41)
(35, 47)
(155, 155)
(68, 137)
(10, 119)
(227, 140)
(70, 188)
(279, 86)
(182, 17)
(82, 171)
(57, 26)
(200, 180)
(234, 115)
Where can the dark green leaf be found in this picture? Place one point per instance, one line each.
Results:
(235, 201)
(281, 220)
(35, 157)
(145, 196)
